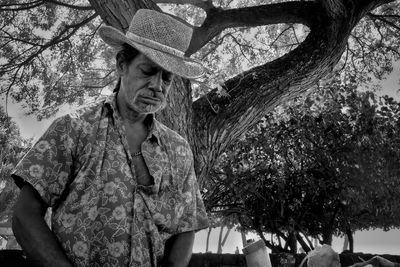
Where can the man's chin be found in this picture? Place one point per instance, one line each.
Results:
(148, 109)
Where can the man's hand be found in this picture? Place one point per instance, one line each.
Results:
(33, 234)
(376, 261)
(178, 250)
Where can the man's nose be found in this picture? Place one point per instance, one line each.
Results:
(156, 82)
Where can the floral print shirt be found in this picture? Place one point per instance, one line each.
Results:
(82, 168)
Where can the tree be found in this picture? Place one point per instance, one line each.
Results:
(326, 164)
(50, 55)
(221, 222)
(12, 148)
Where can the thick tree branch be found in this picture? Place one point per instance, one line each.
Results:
(34, 4)
(119, 14)
(218, 20)
(334, 8)
(366, 6)
(256, 92)
(383, 19)
(20, 7)
(205, 5)
(68, 5)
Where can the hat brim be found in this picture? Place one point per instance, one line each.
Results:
(180, 66)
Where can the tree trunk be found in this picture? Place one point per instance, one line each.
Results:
(345, 243)
(270, 245)
(279, 240)
(327, 236)
(309, 241)
(302, 243)
(351, 243)
(219, 251)
(226, 236)
(291, 243)
(349, 235)
(316, 242)
(244, 241)
(208, 238)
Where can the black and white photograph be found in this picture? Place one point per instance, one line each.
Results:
(199, 133)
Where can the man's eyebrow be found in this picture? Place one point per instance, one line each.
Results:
(155, 67)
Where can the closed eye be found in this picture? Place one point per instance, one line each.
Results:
(167, 76)
(150, 71)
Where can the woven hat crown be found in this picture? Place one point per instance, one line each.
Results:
(161, 28)
(160, 37)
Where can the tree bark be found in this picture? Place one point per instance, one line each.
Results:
(270, 245)
(226, 236)
(291, 243)
(351, 242)
(310, 244)
(302, 243)
(349, 235)
(327, 236)
(345, 243)
(219, 251)
(119, 13)
(218, 20)
(208, 238)
(244, 241)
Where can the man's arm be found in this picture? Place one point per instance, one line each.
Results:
(178, 250)
(33, 234)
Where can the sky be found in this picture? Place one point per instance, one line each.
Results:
(374, 242)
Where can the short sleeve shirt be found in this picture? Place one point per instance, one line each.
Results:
(82, 168)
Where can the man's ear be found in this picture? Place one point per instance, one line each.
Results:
(121, 67)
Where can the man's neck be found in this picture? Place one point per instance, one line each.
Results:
(135, 126)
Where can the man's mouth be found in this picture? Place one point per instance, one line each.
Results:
(149, 99)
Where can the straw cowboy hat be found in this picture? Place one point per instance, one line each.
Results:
(161, 38)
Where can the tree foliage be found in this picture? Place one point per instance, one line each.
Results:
(12, 148)
(325, 164)
(48, 54)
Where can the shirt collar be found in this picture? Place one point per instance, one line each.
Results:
(154, 128)
(153, 125)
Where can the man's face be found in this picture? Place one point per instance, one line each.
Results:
(144, 85)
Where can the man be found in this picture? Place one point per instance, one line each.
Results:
(121, 185)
